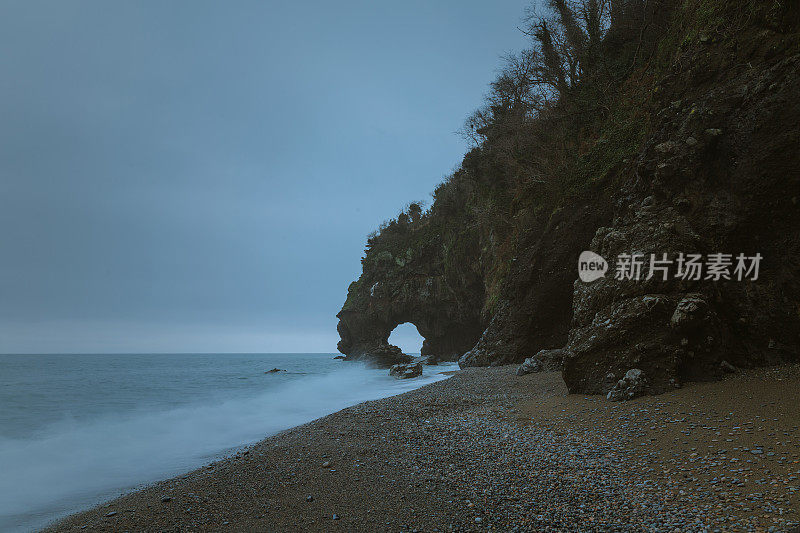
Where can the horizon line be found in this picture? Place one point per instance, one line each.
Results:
(164, 353)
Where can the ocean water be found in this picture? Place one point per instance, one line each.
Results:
(79, 429)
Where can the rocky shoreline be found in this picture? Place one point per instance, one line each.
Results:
(489, 450)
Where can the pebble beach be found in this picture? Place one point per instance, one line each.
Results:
(486, 450)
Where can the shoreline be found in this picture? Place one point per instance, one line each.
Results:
(486, 449)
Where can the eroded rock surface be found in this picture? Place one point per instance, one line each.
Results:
(633, 384)
(727, 191)
(406, 371)
(544, 361)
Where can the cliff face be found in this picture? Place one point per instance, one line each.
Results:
(721, 174)
(697, 154)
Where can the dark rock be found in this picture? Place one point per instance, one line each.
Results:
(690, 313)
(552, 360)
(610, 338)
(339, 357)
(530, 366)
(632, 385)
(406, 371)
(385, 355)
(536, 309)
(666, 147)
(682, 204)
(274, 370)
(166, 499)
(727, 367)
(414, 287)
(545, 360)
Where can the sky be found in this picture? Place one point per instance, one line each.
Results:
(193, 176)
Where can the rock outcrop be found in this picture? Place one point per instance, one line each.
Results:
(703, 161)
(410, 276)
(714, 179)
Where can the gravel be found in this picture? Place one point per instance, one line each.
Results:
(488, 451)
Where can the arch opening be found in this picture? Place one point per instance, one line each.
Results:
(406, 336)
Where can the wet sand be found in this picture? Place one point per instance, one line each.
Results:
(487, 450)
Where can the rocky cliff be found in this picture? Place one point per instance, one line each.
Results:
(690, 148)
(409, 276)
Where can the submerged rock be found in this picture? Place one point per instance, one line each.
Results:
(406, 371)
(274, 370)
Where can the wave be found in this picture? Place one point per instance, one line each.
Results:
(72, 465)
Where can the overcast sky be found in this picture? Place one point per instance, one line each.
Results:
(193, 176)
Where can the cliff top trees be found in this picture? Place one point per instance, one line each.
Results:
(574, 43)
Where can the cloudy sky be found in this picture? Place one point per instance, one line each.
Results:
(200, 176)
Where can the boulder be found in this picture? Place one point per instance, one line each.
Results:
(406, 371)
(531, 365)
(552, 360)
(544, 360)
(386, 355)
(632, 385)
(380, 355)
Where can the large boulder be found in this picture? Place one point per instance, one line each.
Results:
(406, 371)
(543, 361)
(384, 355)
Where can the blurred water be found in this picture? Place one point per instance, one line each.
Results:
(79, 429)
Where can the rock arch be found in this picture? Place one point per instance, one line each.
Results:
(449, 325)
(407, 337)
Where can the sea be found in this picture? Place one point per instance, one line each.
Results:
(76, 430)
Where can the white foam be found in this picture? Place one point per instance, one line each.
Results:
(73, 465)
